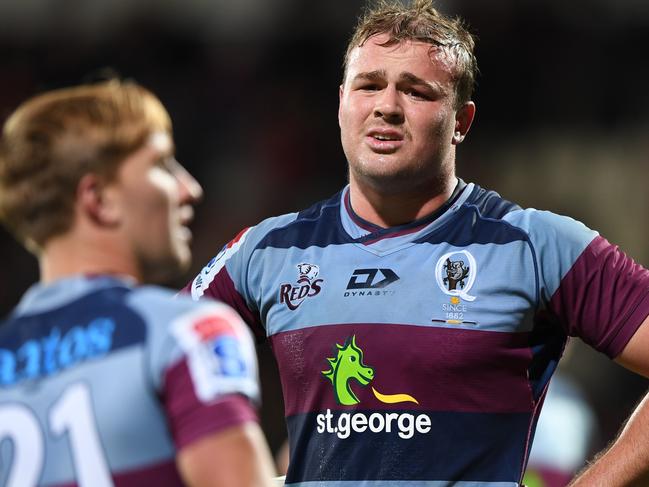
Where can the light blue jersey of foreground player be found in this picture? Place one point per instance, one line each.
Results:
(420, 355)
(101, 382)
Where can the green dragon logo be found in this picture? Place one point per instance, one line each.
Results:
(347, 365)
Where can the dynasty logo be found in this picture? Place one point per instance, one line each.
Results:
(348, 366)
(371, 282)
(307, 286)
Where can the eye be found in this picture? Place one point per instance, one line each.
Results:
(352, 358)
(416, 94)
(369, 87)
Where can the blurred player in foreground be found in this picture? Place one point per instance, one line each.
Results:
(563, 436)
(103, 381)
(417, 319)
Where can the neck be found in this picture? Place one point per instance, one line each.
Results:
(69, 255)
(393, 209)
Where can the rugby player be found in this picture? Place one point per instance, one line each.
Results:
(417, 318)
(103, 380)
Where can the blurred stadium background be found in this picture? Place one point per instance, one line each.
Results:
(252, 87)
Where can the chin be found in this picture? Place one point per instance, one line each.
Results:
(389, 182)
(164, 269)
(183, 262)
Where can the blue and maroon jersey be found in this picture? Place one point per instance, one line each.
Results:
(422, 353)
(102, 382)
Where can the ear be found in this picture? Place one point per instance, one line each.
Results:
(463, 119)
(340, 99)
(98, 201)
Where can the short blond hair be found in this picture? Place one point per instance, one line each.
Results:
(421, 21)
(53, 139)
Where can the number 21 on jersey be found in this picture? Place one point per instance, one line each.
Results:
(71, 413)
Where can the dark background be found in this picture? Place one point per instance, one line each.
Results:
(252, 87)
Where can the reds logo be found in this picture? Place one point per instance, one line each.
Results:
(307, 286)
(308, 272)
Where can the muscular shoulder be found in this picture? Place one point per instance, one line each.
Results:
(539, 225)
(490, 204)
(168, 314)
(308, 227)
(179, 327)
(158, 304)
(295, 229)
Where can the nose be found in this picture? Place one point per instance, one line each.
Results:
(190, 190)
(388, 106)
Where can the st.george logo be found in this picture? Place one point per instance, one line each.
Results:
(348, 365)
(307, 286)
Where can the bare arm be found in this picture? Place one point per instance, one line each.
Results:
(626, 462)
(235, 457)
(282, 458)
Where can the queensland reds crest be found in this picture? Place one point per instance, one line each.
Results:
(455, 274)
(306, 286)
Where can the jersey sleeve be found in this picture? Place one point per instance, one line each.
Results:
(227, 277)
(213, 384)
(597, 292)
(201, 363)
(224, 279)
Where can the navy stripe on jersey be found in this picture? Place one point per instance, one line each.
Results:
(454, 447)
(490, 204)
(379, 232)
(467, 229)
(86, 329)
(320, 226)
(547, 342)
(402, 483)
(317, 226)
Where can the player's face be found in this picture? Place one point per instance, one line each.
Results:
(397, 115)
(157, 194)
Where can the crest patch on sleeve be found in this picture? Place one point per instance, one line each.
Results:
(220, 352)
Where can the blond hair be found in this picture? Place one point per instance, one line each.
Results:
(53, 139)
(420, 21)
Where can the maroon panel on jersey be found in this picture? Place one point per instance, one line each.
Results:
(604, 297)
(222, 288)
(466, 370)
(189, 418)
(161, 475)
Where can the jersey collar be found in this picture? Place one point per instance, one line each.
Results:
(385, 239)
(42, 297)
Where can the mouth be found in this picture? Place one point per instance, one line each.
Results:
(384, 141)
(182, 234)
(186, 215)
(365, 379)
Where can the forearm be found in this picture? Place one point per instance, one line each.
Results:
(626, 462)
(236, 457)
